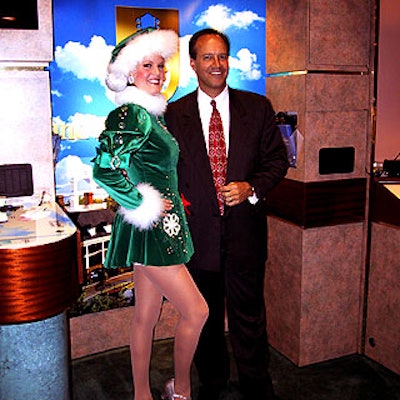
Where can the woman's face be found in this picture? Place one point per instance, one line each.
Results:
(150, 74)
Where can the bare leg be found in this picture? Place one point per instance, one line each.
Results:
(146, 313)
(177, 285)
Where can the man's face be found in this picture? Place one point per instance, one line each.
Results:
(211, 64)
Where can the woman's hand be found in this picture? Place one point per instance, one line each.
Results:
(167, 206)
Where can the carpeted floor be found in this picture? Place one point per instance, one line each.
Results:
(107, 376)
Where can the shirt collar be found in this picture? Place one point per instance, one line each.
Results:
(204, 98)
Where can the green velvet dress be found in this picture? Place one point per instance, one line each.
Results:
(136, 164)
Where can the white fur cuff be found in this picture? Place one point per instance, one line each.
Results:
(149, 212)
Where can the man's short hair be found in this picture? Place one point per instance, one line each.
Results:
(208, 31)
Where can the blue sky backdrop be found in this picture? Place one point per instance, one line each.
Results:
(84, 36)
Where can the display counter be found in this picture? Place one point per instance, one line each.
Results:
(382, 336)
(38, 263)
(386, 201)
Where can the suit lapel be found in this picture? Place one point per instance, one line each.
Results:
(193, 140)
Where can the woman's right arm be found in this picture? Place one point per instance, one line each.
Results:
(141, 204)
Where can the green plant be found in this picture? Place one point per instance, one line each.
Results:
(100, 302)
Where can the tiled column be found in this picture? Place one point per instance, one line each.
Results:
(319, 61)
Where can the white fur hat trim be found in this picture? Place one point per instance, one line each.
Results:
(158, 41)
(149, 212)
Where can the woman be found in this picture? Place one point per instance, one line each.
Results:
(136, 163)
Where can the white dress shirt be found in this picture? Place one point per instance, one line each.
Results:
(205, 110)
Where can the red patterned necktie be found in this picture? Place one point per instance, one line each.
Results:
(217, 153)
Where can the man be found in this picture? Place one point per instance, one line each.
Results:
(230, 242)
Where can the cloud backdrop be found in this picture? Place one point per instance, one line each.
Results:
(80, 99)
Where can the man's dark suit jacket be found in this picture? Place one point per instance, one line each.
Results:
(256, 154)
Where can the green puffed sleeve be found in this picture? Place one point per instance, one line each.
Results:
(127, 129)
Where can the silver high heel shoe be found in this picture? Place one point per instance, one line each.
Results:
(169, 392)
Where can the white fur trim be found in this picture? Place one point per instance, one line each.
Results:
(116, 81)
(149, 212)
(154, 104)
(161, 41)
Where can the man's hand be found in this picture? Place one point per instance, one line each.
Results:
(236, 192)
